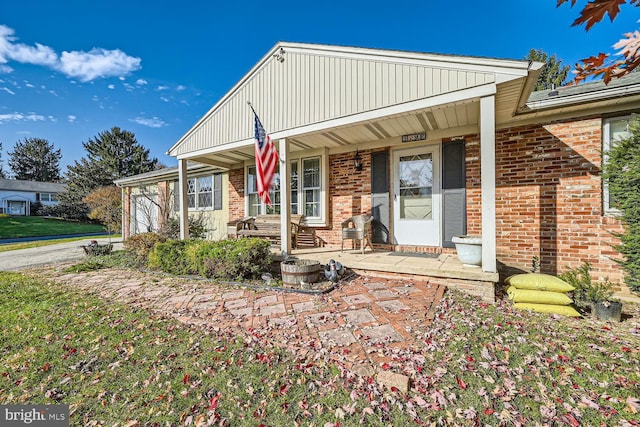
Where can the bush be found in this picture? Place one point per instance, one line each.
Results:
(587, 291)
(235, 259)
(225, 259)
(171, 257)
(140, 245)
(197, 227)
(622, 172)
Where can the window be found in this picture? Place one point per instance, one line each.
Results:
(614, 129)
(48, 197)
(205, 192)
(306, 190)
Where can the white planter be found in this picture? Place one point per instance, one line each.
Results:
(469, 250)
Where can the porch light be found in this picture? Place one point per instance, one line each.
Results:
(357, 161)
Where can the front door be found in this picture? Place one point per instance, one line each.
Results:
(416, 196)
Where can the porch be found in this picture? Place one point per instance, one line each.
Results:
(443, 268)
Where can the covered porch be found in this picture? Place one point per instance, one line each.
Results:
(323, 106)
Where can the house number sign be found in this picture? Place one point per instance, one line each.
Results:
(414, 137)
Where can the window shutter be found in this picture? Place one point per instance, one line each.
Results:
(453, 191)
(380, 197)
(217, 191)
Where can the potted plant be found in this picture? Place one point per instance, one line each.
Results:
(598, 296)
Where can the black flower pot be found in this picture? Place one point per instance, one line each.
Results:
(609, 311)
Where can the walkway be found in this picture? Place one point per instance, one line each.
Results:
(359, 324)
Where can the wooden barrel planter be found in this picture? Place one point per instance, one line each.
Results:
(297, 273)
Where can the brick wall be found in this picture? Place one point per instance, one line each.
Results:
(236, 193)
(548, 198)
(349, 193)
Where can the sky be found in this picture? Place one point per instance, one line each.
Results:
(71, 69)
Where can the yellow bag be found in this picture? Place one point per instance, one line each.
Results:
(564, 310)
(538, 297)
(539, 282)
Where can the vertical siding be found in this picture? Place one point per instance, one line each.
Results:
(306, 89)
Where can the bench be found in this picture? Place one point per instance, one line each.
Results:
(268, 227)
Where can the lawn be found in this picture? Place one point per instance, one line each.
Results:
(29, 226)
(478, 364)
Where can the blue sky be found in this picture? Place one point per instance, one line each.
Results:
(70, 69)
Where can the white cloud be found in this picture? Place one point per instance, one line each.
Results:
(29, 85)
(165, 99)
(180, 88)
(141, 82)
(19, 117)
(9, 91)
(162, 88)
(111, 86)
(71, 118)
(96, 63)
(5, 69)
(154, 122)
(85, 66)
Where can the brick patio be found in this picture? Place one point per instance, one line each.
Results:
(349, 325)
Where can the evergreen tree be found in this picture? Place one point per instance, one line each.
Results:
(35, 159)
(553, 74)
(111, 155)
(622, 172)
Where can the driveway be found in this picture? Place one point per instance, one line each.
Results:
(52, 254)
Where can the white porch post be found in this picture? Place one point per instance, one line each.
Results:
(184, 199)
(285, 204)
(488, 181)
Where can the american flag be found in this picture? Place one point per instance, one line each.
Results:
(266, 161)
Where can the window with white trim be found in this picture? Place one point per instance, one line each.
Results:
(205, 192)
(48, 197)
(614, 129)
(306, 190)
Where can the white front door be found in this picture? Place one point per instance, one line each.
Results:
(416, 196)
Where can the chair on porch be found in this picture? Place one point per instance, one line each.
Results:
(357, 228)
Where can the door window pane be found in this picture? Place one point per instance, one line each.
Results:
(416, 186)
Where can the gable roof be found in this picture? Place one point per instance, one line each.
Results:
(297, 88)
(31, 186)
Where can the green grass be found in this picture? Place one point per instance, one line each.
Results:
(39, 243)
(29, 226)
(478, 364)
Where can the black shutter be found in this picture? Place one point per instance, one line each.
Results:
(217, 191)
(380, 197)
(453, 191)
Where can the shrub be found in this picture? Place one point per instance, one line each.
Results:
(622, 172)
(235, 258)
(587, 291)
(171, 257)
(197, 227)
(225, 259)
(140, 245)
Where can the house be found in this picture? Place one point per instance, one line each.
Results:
(18, 196)
(151, 198)
(448, 145)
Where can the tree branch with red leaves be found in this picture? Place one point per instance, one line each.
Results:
(628, 48)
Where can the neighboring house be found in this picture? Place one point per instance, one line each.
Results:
(17, 196)
(449, 145)
(151, 198)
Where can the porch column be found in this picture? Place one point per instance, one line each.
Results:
(126, 212)
(184, 200)
(488, 181)
(285, 204)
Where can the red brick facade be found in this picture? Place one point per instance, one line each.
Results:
(548, 197)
